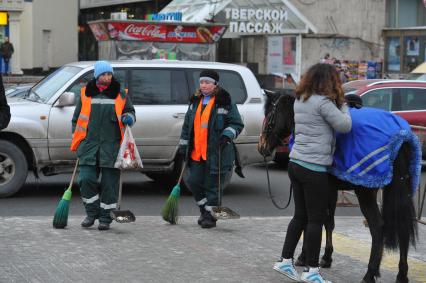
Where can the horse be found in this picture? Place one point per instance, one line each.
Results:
(394, 226)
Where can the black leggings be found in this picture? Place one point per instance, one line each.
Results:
(311, 190)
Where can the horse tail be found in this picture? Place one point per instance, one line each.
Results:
(398, 207)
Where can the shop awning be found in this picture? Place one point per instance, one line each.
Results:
(245, 17)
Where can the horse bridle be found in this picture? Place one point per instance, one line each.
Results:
(268, 129)
(270, 122)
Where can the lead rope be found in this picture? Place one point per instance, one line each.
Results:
(270, 191)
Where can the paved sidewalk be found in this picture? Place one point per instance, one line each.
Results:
(150, 250)
(16, 80)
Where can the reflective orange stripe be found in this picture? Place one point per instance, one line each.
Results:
(84, 117)
(201, 128)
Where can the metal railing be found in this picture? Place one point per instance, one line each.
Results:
(420, 131)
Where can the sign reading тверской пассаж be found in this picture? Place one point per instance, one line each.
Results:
(259, 21)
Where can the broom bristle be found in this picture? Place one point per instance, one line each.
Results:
(60, 219)
(170, 210)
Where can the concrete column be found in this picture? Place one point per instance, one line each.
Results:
(14, 37)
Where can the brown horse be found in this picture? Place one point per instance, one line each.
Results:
(392, 227)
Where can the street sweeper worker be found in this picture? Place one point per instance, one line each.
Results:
(98, 124)
(211, 124)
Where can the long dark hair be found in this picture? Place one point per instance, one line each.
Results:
(321, 79)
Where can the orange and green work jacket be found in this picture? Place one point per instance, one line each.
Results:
(96, 124)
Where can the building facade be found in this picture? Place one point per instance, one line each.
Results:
(284, 37)
(404, 36)
(43, 33)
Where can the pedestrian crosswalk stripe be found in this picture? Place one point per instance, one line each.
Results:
(345, 245)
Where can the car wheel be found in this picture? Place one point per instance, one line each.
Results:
(171, 179)
(13, 168)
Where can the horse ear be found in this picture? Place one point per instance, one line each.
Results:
(269, 93)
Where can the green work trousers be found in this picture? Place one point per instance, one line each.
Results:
(99, 201)
(203, 185)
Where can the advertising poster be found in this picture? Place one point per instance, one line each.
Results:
(275, 55)
(394, 49)
(99, 31)
(156, 32)
(282, 55)
(289, 54)
(413, 46)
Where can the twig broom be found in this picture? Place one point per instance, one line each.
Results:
(170, 210)
(60, 219)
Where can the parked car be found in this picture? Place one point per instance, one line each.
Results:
(405, 98)
(39, 134)
(17, 91)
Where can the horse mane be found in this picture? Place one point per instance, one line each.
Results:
(279, 120)
(273, 96)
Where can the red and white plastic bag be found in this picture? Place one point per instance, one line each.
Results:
(128, 155)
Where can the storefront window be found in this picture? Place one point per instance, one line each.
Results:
(405, 13)
(394, 53)
(414, 52)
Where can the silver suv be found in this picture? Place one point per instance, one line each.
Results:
(39, 134)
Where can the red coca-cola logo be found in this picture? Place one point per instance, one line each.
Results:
(145, 31)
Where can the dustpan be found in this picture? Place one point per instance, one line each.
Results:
(122, 216)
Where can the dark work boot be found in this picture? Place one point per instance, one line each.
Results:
(103, 226)
(88, 222)
(209, 221)
(201, 218)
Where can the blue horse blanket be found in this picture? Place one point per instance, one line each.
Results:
(365, 155)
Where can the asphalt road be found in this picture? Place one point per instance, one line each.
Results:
(249, 196)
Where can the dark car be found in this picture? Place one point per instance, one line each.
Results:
(17, 91)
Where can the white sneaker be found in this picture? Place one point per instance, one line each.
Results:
(313, 276)
(286, 267)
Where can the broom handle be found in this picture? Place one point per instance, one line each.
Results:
(181, 172)
(120, 187)
(219, 193)
(74, 172)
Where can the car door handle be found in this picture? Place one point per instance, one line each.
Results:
(179, 115)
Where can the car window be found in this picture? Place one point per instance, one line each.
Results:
(229, 80)
(378, 98)
(87, 77)
(47, 87)
(413, 99)
(158, 87)
(8, 91)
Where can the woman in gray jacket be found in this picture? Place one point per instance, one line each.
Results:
(319, 112)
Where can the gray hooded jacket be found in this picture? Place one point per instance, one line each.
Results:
(316, 121)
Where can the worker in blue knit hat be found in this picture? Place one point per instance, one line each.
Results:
(98, 124)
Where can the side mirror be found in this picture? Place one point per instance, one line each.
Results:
(66, 99)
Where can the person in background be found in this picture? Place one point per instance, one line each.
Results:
(319, 112)
(4, 107)
(6, 50)
(211, 123)
(98, 126)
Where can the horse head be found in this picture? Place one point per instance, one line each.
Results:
(278, 123)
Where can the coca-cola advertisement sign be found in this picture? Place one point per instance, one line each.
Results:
(154, 31)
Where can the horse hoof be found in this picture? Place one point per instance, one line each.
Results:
(299, 262)
(325, 263)
(401, 279)
(368, 279)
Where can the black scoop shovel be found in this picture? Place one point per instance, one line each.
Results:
(122, 216)
(222, 212)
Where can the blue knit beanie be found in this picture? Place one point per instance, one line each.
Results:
(102, 67)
